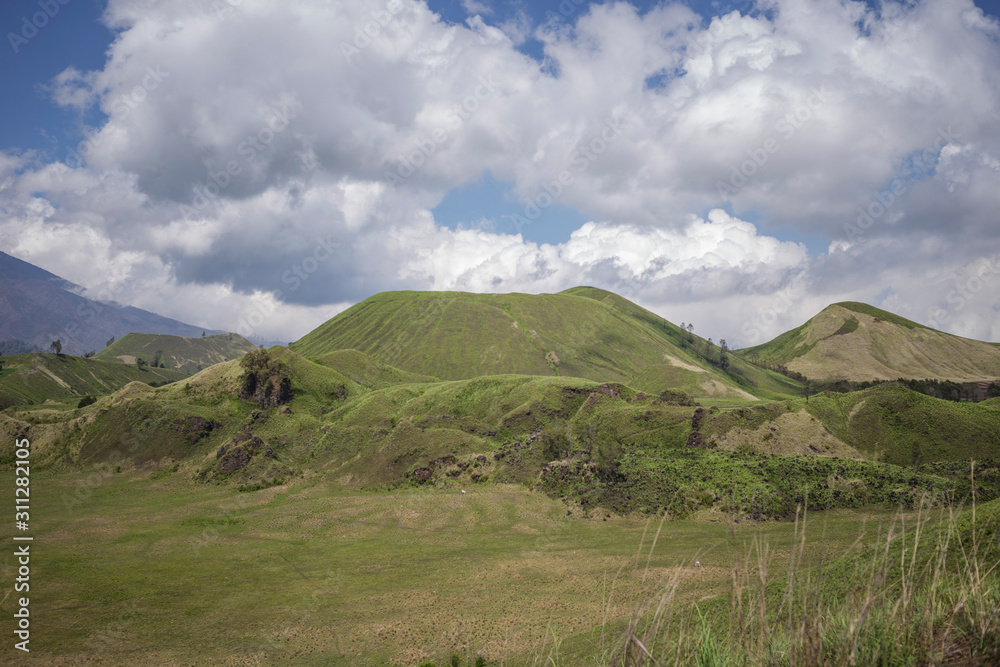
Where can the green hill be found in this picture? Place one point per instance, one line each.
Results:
(35, 378)
(855, 341)
(904, 427)
(187, 355)
(582, 332)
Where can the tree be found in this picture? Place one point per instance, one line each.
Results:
(202, 334)
(140, 362)
(266, 380)
(110, 340)
(723, 356)
(1, 361)
(56, 346)
(88, 355)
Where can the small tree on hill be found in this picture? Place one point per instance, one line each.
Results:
(265, 380)
(56, 346)
(110, 340)
(723, 354)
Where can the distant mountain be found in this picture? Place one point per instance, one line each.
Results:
(39, 307)
(582, 332)
(858, 342)
(187, 355)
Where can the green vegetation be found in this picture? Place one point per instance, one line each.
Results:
(311, 573)
(582, 332)
(36, 378)
(901, 426)
(187, 355)
(393, 497)
(856, 342)
(922, 590)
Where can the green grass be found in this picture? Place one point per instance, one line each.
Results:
(901, 426)
(922, 589)
(582, 332)
(186, 355)
(855, 341)
(28, 379)
(884, 315)
(134, 568)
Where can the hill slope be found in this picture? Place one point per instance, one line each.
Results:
(35, 378)
(38, 307)
(187, 355)
(583, 332)
(854, 341)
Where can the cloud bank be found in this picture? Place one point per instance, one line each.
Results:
(265, 163)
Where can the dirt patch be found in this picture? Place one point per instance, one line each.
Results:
(790, 433)
(674, 361)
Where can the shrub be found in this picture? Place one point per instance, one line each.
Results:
(265, 380)
(555, 444)
(85, 401)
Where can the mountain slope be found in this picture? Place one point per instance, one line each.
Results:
(584, 332)
(38, 307)
(187, 355)
(855, 341)
(35, 378)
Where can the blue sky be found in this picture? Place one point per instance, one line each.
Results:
(712, 167)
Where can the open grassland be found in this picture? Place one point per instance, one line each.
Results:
(922, 590)
(144, 567)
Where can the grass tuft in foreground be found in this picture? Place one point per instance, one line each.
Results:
(925, 591)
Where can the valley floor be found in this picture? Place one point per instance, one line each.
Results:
(141, 567)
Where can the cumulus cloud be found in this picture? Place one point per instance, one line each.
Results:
(286, 156)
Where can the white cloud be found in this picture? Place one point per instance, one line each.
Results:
(222, 166)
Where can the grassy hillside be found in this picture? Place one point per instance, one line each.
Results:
(35, 378)
(598, 444)
(855, 341)
(187, 355)
(583, 332)
(900, 426)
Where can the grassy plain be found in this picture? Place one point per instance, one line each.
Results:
(143, 567)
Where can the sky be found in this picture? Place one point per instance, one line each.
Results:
(260, 165)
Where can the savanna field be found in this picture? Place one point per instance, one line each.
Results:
(617, 492)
